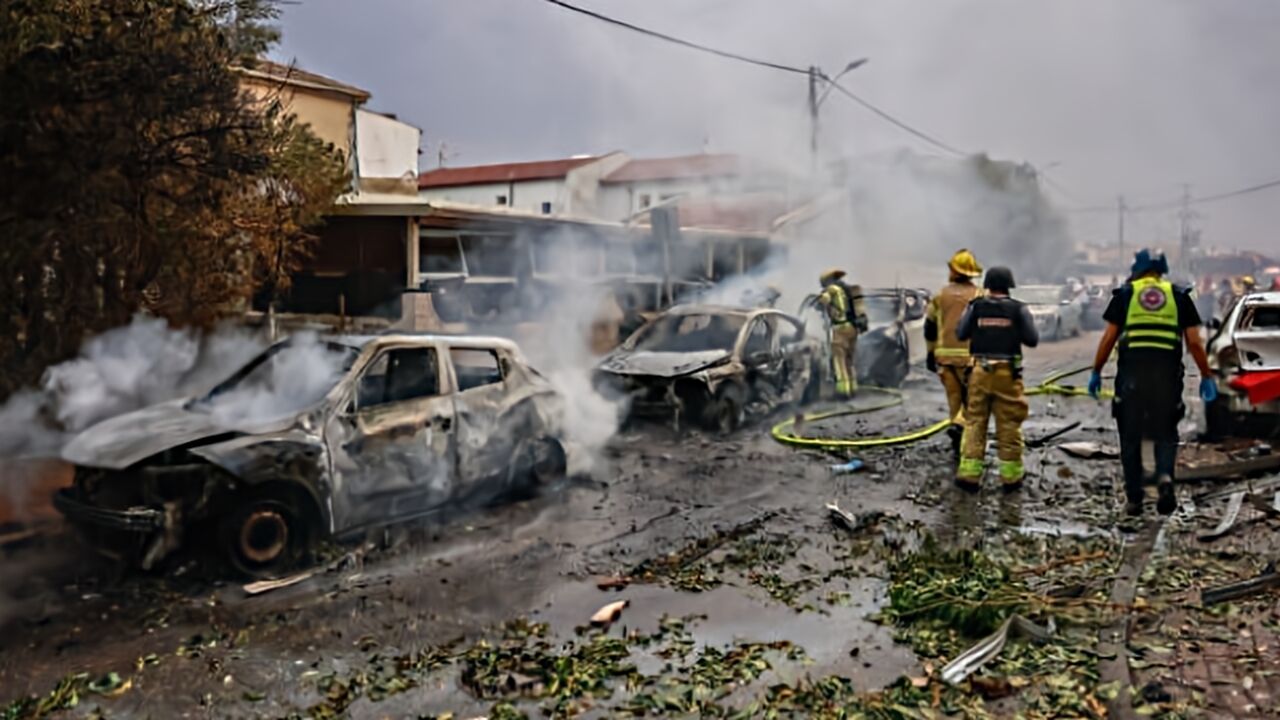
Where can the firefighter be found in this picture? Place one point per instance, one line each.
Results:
(1151, 319)
(948, 355)
(996, 326)
(844, 306)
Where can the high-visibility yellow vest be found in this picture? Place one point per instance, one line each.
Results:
(1152, 320)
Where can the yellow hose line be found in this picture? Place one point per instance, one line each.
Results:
(782, 432)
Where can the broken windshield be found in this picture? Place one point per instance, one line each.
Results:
(286, 378)
(689, 333)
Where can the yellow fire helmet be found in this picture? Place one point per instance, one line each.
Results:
(831, 274)
(964, 263)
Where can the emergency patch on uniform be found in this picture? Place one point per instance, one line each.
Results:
(995, 322)
(1152, 299)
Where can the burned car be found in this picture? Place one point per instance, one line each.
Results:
(1245, 355)
(894, 339)
(313, 439)
(712, 365)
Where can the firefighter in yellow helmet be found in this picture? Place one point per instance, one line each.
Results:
(948, 355)
(845, 309)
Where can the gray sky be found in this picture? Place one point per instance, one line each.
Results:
(1137, 96)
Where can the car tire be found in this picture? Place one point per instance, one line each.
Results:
(725, 413)
(540, 463)
(268, 533)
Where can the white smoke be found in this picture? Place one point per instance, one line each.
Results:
(293, 378)
(124, 369)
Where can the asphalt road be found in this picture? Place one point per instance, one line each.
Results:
(192, 649)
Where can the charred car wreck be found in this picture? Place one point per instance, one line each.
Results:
(713, 365)
(316, 439)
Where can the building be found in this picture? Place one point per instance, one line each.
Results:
(363, 255)
(611, 187)
(567, 186)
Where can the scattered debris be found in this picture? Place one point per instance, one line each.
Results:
(1045, 439)
(613, 582)
(854, 523)
(609, 614)
(971, 660)
(264, 586)
(1268, 580)
(853, 466)
(1090, 450)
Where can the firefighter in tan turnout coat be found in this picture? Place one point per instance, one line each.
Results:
(948, 355)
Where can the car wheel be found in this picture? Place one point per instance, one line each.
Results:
(266, 535)
(725, 412)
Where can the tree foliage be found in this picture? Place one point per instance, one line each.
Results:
(137, 174)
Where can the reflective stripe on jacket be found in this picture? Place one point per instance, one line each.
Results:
(1152, 320)
(945, 310)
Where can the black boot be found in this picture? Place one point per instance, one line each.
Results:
(956, 433)
(1167, 500)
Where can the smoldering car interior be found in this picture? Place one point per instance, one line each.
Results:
(395, 427)
(712, 366)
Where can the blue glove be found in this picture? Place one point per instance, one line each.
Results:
(1208, 389)
(1095, 384)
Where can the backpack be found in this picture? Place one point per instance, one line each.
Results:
(855, 310)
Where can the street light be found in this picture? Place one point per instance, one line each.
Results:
(815, 102)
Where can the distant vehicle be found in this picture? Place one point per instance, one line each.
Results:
(713, 365)
(1096, 298)
(329, 438)
(1245, 355)
(1056, 317)
(894, 340)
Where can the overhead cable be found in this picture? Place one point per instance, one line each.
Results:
(678, 41)
(762, 63)
(893, 120)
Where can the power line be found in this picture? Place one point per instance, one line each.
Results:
(882, 114)
(893, 120)
(678, 41)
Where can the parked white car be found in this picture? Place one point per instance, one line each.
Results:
(1245, 352)
(1057, 316)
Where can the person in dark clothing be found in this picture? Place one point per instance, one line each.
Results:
(996, 326)
(1151, 319)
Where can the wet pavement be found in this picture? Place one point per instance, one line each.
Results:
(186, 648)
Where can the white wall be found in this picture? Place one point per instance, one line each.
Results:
(527, 196)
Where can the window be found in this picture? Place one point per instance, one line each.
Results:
(440, 254)
(758, 340)
(502, 200)
(398, 376)
(790, 332)
(546, 208)
(492, 255)
(645, 201)
(475, 367)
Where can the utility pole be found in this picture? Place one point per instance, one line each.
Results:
(813, 119)
(1120, 210)
(1189, 237)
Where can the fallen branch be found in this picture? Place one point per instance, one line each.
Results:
(1225, 593)
(1062, 562)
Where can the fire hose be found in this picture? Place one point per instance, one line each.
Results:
(784, 433)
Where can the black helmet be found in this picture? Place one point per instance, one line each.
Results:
(999, 278)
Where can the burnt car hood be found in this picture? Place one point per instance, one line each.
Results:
(121, 441)
(661, 364)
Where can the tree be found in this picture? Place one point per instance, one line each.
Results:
(136, 174)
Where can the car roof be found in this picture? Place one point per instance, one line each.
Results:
(730, 310)
(1262, 298)
(424, 338)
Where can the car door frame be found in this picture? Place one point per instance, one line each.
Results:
(357, 502)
